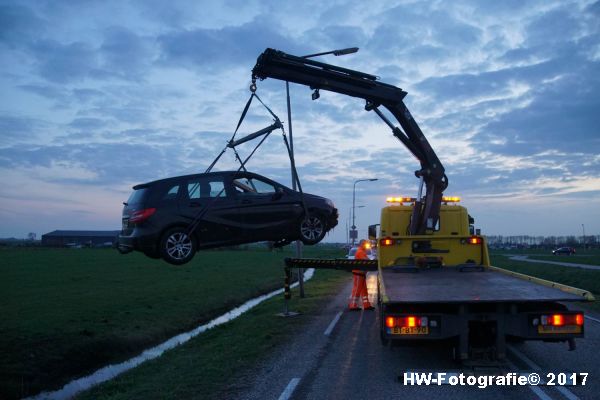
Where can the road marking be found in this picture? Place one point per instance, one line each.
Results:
(289, 389)
(563, 390)
(592, 319)
(535, 389)
(332, 324)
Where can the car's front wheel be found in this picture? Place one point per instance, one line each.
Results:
(312, 229)
(177, 247)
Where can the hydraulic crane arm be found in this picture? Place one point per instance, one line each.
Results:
(279, 65)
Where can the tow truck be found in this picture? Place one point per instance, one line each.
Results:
(435, 279)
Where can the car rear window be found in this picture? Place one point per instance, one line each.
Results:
(137, 196)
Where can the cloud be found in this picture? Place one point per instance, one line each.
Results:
(15, 129)
(62, 63)
(125, 53)
(19, 25)
(225, 47)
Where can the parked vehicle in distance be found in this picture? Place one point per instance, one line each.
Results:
(231, 207)
(370, 253)
(564, 250)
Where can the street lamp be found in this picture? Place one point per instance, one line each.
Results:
(353, 205)
(583, 227)
(339, 52)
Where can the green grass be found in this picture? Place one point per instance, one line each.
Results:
(213, 365)
(576, 277)
(580, 252)
(576, 259)
(66, 312)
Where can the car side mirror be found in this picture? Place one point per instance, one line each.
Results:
(278, 194)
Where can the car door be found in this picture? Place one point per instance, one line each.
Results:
(268, 210)
(209, 198)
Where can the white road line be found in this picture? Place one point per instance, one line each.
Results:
(592, 318)
(563, 390)
(332, 324)
(289, 389)
(535, 389)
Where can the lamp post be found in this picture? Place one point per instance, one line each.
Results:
(339, 52)
(583, 227)
(353, 205)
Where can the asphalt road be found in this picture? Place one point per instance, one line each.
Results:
(339, 356)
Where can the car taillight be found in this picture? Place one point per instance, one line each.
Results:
(141, 215)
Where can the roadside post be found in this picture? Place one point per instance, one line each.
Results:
(287, 295)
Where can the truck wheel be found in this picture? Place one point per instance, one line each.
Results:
(312, 229)
(176, 246)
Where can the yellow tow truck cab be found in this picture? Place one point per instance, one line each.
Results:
(451, 243)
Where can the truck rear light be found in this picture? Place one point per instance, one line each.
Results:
(141, 215)
(559, 320)
(388, 241)
(389, 322)
(475, 240)
(407, 322)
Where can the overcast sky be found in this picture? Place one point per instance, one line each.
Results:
(97, 96)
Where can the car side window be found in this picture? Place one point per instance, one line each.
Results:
(252, 186)
(205, 188)
(171, 193)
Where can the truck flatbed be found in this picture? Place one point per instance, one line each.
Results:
(449, 285)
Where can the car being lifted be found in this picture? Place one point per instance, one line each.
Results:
(231, 208)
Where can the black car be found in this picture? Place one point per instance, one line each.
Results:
(173, 218)
(564, 250)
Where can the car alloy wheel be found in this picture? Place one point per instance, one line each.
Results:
(312, 229)
(177, 247)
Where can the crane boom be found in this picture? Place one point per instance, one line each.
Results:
(317, 75)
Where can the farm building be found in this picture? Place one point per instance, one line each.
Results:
(79, 238)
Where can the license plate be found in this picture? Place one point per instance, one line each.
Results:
(559, 329)
(412, 330)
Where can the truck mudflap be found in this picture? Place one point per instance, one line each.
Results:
(334, 263)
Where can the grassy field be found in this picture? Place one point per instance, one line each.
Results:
(588, 259)
(577, 277)
(66, 312)
(214, 365)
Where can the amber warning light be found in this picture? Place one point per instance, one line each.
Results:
(400, 199)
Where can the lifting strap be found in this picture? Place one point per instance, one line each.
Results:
(265, 132)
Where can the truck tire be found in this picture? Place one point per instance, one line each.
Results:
(176, 246)
(312, 228)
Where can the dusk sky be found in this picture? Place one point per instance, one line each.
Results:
(97, 96)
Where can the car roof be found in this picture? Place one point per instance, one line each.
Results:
(208, 174)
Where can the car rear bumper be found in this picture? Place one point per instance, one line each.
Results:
(135, 241)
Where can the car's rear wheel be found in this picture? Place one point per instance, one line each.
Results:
(177, 247)
(312, 229)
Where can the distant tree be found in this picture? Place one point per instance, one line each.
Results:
(31, 236)
(571, 241)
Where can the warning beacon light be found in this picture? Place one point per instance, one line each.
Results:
(400, 199)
